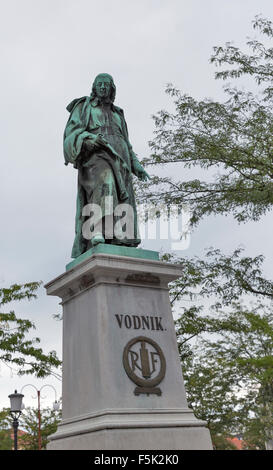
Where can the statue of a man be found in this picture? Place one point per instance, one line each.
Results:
(96, 142)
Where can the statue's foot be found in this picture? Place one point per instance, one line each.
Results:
(98, 238)
(124, 242)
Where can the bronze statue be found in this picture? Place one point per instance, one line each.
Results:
(96, 142)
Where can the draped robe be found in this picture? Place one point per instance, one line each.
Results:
(101, 172)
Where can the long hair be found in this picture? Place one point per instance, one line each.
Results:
(113, 87)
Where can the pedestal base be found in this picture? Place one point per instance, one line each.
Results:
(122, 380)
(186, 436)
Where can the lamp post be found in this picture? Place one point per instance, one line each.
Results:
(56, 406)
(15, 411)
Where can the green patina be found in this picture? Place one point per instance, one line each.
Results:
(119, 250)
(96, 142)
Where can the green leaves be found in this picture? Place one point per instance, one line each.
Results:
(257, 64)
(19, 292)
(233, 137)
(6, 442)
(28, 440)
(229, 374)
(29, 422)
(226, 276)
(17, 349)
(226, 348)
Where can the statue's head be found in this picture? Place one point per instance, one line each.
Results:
(104, 87)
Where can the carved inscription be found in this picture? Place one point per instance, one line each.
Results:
(140, 322)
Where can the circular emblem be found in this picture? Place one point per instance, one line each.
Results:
(145, 364)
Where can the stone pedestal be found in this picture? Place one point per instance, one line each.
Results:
(122, 382)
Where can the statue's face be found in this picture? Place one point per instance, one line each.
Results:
(103, 87)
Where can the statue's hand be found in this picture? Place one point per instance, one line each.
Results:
(88, 145)
(100, 141)
(142, 174)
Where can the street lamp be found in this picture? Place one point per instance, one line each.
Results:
(15, 411)
(56, 406)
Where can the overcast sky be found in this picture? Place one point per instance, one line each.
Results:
(51, 51)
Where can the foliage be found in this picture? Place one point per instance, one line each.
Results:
(233, 137)
(222, 441)
(227, 276)
(16, 349)
(226, 348)
(29, 422)
(229, 377)
(6, 442)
